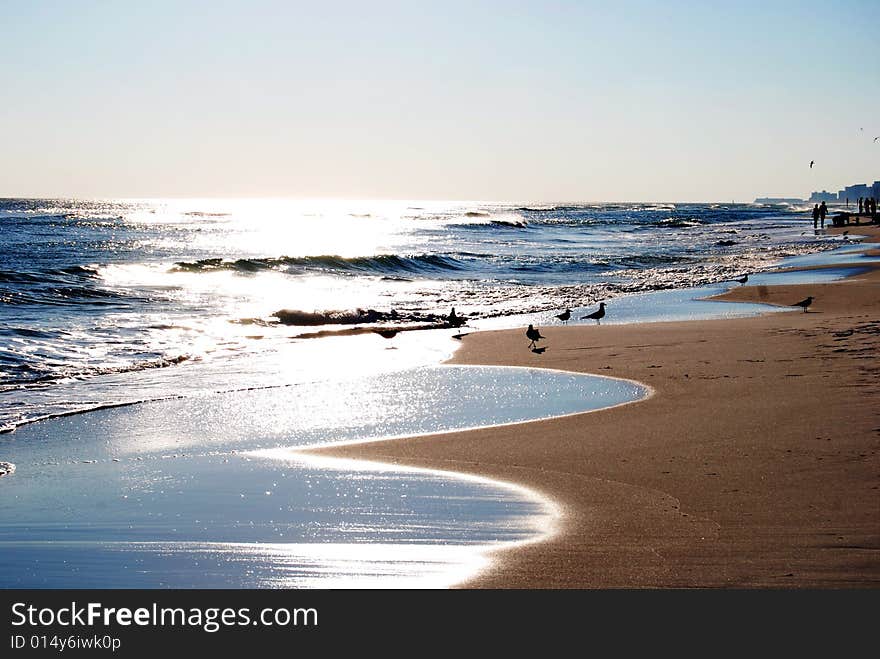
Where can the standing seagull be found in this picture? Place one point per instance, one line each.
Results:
(564, 316)
(743, 279)
(533, 335)
(596, 315)
(455, 321)
(804, 303)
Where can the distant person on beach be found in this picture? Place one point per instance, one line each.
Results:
(823, 211)
(816, 216)
(860, 205)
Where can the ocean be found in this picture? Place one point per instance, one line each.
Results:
(206, 341)
(117, 301)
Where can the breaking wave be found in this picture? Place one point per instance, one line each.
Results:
(28, 374)
(386, 264)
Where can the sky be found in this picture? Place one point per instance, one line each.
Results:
(496, 101)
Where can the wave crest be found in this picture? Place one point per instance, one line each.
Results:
(384, 264)
(302, 318)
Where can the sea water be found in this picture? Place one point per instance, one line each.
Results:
(199, 310)
(209, 492)
(117, 301)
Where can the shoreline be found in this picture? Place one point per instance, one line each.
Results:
(516, 479)
(755, 464)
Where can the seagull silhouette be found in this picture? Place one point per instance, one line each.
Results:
(596, 315)
(804, 303)
(455, 321)
(877, 138)
(533, 335)
(743, 279)
(564, 316)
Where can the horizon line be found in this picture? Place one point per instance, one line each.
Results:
(393, 199)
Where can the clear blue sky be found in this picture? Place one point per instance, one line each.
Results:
(519, 101)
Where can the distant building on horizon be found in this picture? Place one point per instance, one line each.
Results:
(778, 200)
(823, 196)
(852, 193)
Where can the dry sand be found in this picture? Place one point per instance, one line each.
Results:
(755, 463)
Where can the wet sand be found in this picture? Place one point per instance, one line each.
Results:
(755, 463)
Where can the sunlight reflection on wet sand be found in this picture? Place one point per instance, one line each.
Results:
(206, 492)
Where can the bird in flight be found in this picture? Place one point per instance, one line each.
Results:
(877, 138)
(564, 316)
(596, 315)
(804, 303)
(533, 335)
(811, 164)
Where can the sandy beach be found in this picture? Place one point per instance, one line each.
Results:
(755, 463)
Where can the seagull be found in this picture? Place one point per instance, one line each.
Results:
(455, 321)
(564, 316)
(804, 303)
(811, 164)
(877, 138)
(743, 279)
(533, 335)
(596, 315)
(539, 351)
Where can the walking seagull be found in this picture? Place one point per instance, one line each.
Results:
(564, 316)
(533, 335)
(596, 315)
(804, 303)
(455, 321)
(743, 279)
